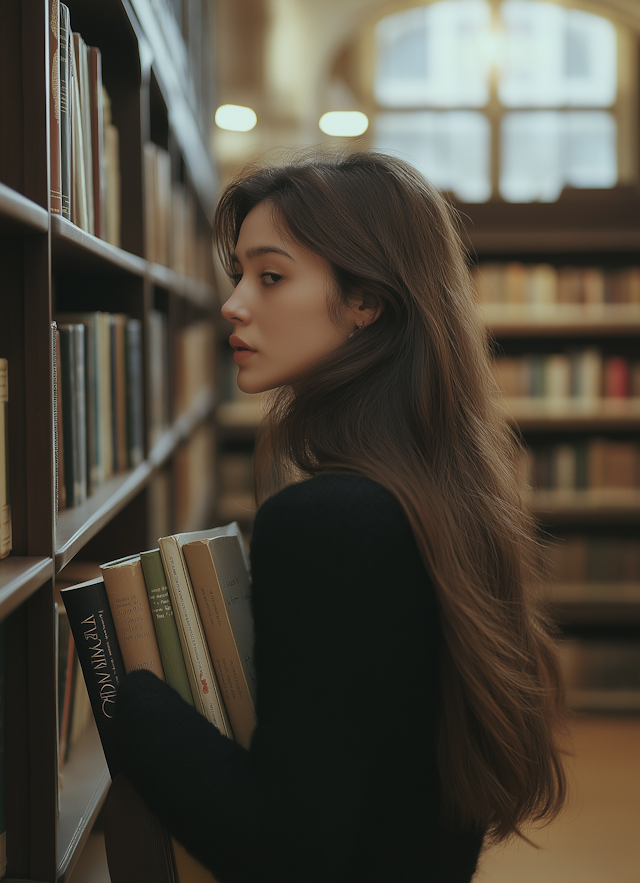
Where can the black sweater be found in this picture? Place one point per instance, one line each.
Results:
(340, 783)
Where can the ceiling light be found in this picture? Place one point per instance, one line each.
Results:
(235, 118)
(344, 123)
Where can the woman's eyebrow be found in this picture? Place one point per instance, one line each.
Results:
(257, 250)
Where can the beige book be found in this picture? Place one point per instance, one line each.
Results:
(515, 282)
(200, 669)
(590, 375)
(558, 376)
(149, 171)
(565, 457)
(542, 285)
(129, 604)
(222, 588)
(111, 159)
(596, 455)
(82, 66)
(79, 211)
(162, 205)
(633, 285)
(490, 283)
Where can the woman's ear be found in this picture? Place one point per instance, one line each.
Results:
(363, 310)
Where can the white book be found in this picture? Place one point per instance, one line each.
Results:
(200, 669)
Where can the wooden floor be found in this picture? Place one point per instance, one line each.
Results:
(596, 840)
(597, 837)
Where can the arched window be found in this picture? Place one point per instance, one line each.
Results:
(518, 98)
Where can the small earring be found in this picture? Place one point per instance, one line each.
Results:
(357, 328)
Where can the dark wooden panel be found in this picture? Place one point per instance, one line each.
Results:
(11, 108)
(43, 733)
(12, 348)
(17, 769)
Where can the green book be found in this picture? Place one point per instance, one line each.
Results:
(164, 620)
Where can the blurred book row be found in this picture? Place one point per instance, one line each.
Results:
(599, 559)
(540, 284)
(602, 673)
(585, 375)
(172, 235)
(586, 464)
(84, 143)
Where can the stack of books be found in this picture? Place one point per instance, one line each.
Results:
(599, 559)
(84, 143)
(98, 401)
(183, 612)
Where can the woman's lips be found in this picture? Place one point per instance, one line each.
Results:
(242, 351)
(242, 355)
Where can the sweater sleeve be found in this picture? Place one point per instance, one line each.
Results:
(346, 645)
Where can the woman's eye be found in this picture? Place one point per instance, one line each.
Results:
(270, 278)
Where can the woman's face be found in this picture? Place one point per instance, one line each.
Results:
(279, 308)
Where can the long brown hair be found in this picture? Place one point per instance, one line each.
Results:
(410, 402)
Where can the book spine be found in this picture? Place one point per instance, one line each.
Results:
(79, 207)
(81, 410)
(68, 384)
(56, 422)
(5, 493)
(165, 624)
(202, 679)
(135, 403)
(55, 182)
(208, 579)
(104, 395)
(129, 603)
(65, 117)
(99, 654)
(121, 392)
(91, 404)
(97, 139)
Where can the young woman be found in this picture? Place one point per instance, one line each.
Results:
(408, 692)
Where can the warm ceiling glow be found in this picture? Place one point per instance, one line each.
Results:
(344, 123)
(235, 118)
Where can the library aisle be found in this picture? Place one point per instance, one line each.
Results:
(596, 838)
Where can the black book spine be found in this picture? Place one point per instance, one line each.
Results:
(96, 642)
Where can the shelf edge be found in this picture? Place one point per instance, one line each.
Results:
(22, 211)
(27, 581)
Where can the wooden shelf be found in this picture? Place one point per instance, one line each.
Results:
(75, 250)
(236, 507)
(570, 320)
(603, 504)
(20, 578)
(85, 782)
(604, 700)
(199, 293)
(19, 214)
(504, 241)
(595, 593)
(572, 414)
(78, 525)
(240, 415)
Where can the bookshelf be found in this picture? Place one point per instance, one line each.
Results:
(50, 266)
(598, 611)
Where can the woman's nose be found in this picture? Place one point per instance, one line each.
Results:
(234, 310)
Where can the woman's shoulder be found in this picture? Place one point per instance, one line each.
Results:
(334, 501)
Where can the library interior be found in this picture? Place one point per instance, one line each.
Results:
(120, 419)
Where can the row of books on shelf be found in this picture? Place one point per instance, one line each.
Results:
(539, 285)
(84, 143)
(598, 559)
(602, 665)
(183, 612)
(98, 401)
(5, 495)
(99, 393)
(172, 235)
(586, 375)
(587, 464)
